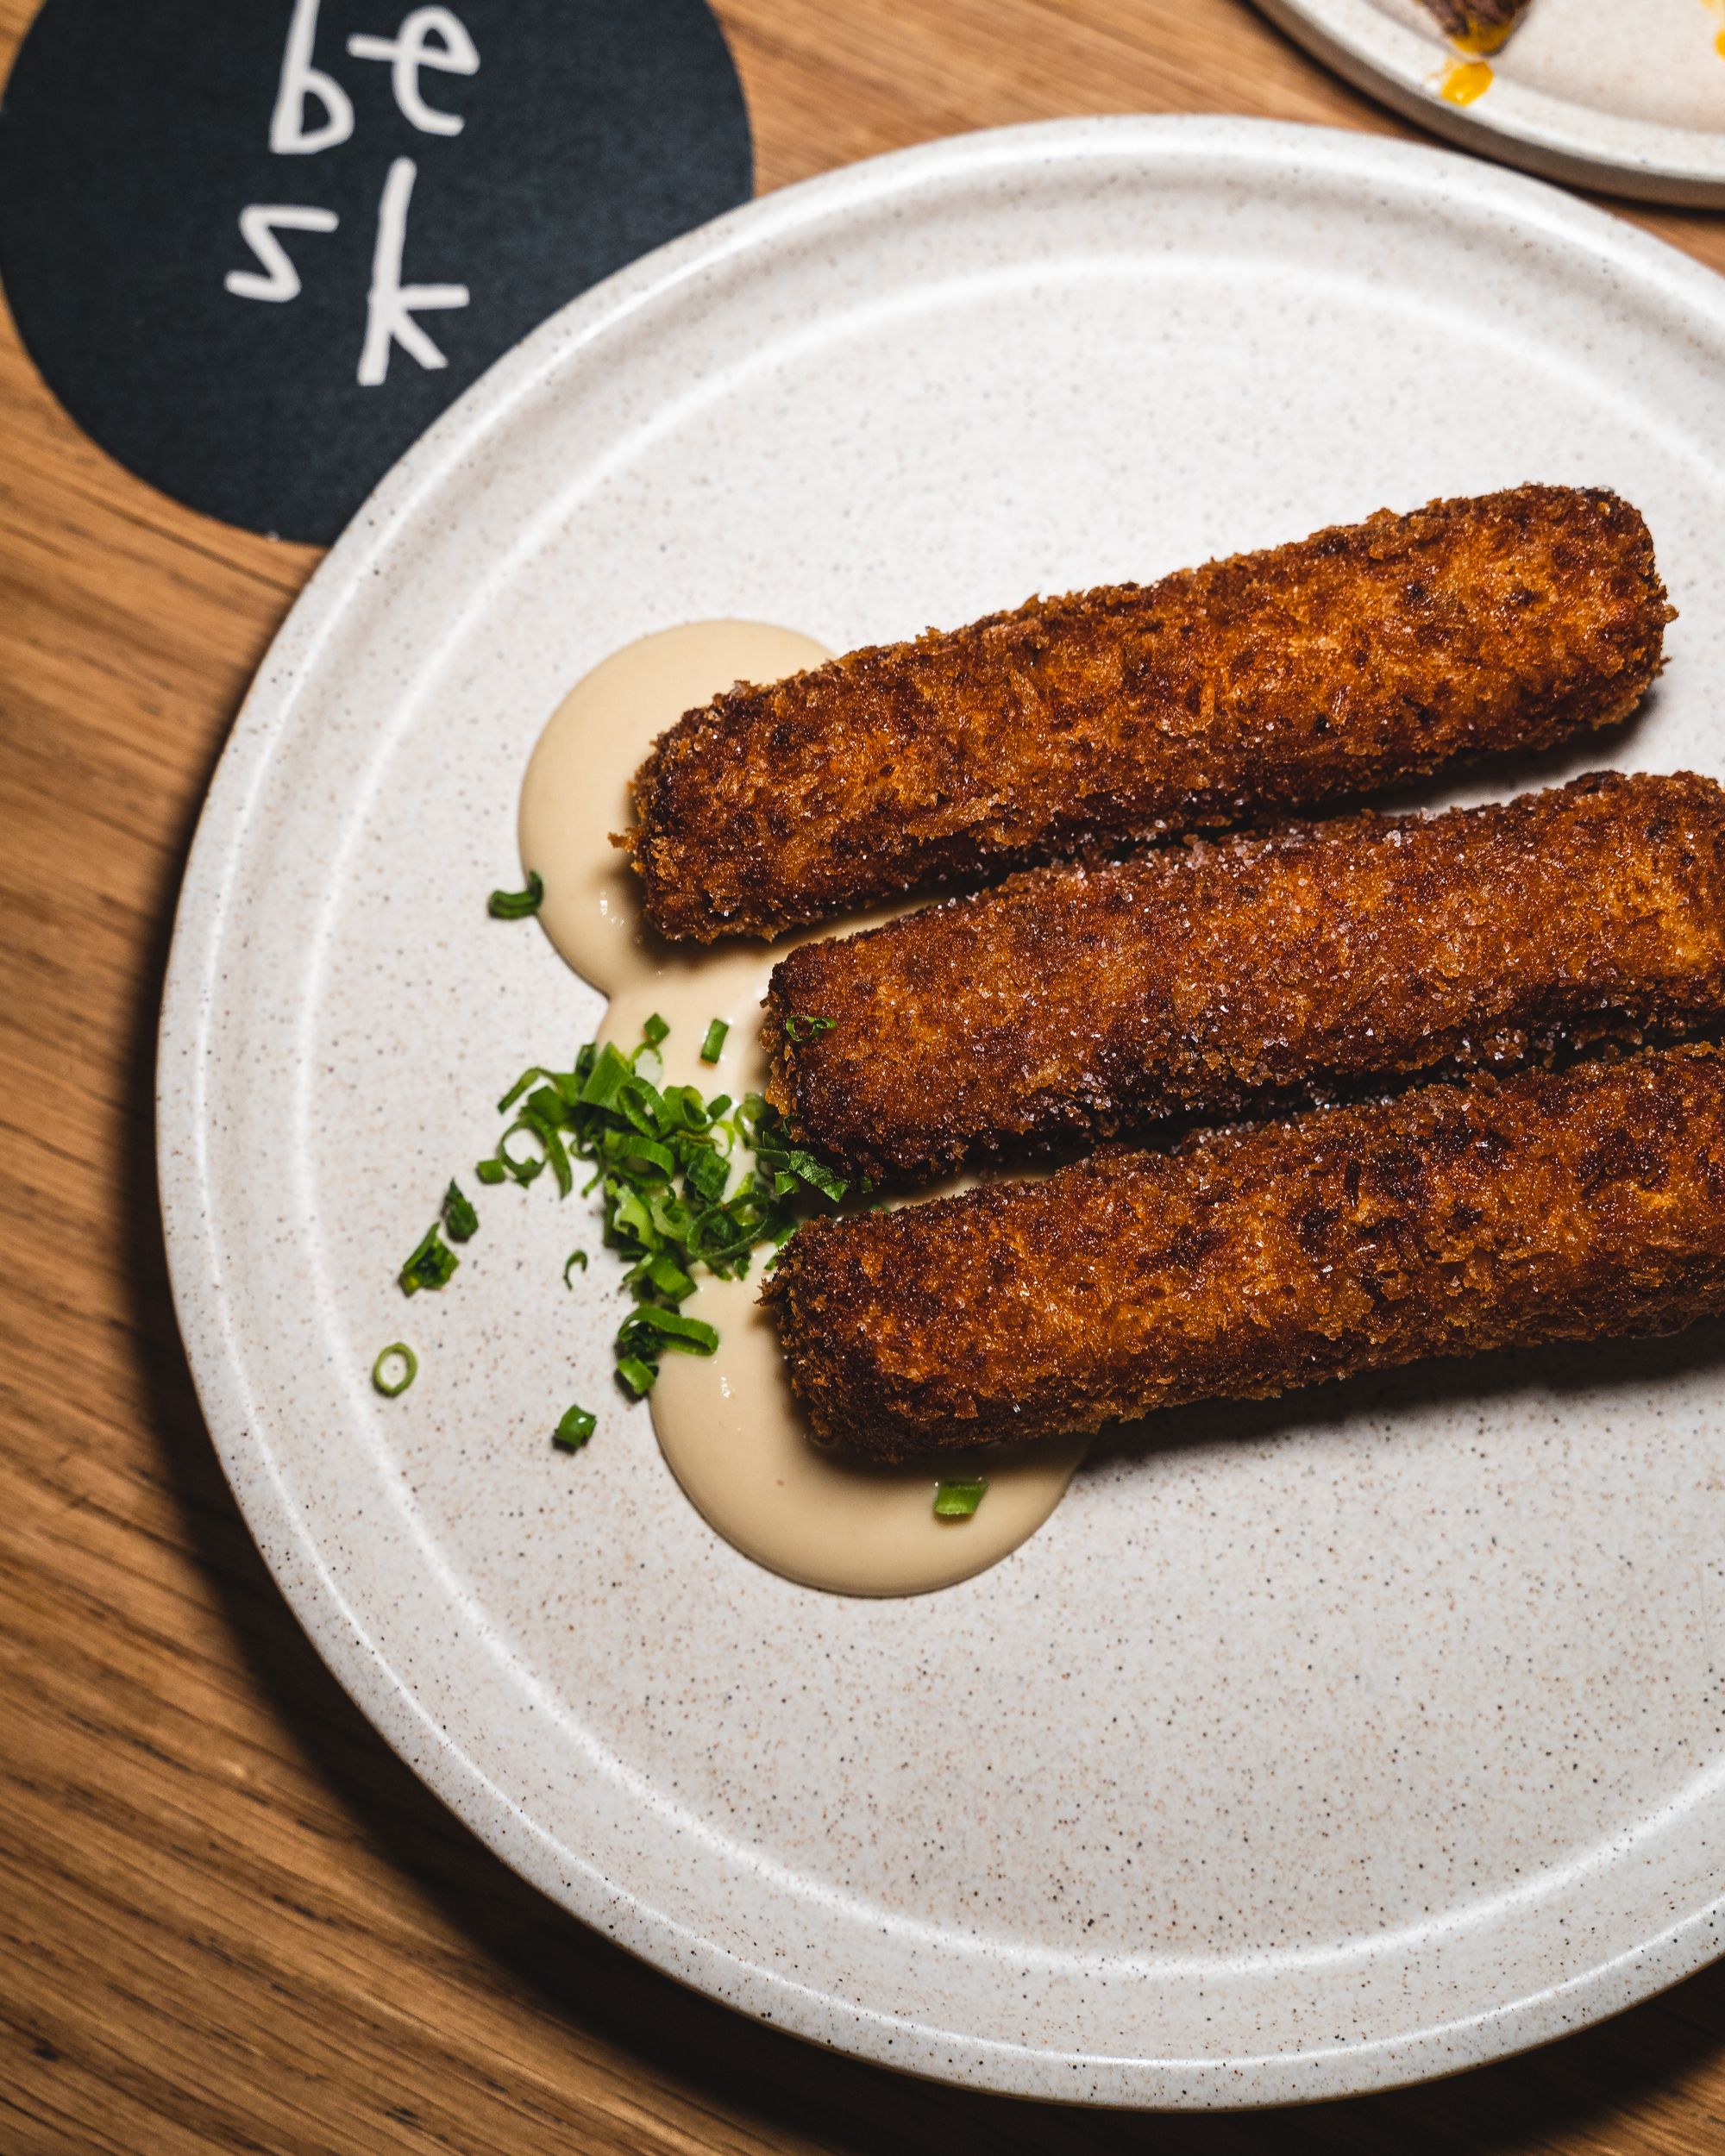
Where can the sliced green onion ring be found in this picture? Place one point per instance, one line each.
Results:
(958, 1500)
(685, 1181)
(516, 906)
(801, 1027)
(638, 1375)
(432, 1265)
(577, 1425)
(409, 1369)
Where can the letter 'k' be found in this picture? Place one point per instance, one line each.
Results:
(390, 305)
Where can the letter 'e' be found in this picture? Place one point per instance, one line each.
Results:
(410, 50)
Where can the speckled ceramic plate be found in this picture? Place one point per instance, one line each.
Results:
(1627, 97)
(1309, 1748)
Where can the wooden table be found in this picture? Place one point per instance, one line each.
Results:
(231, 1919)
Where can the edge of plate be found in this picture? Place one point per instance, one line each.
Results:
(193, 988)
(1545, 135)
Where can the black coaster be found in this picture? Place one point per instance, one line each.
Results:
(255, 247)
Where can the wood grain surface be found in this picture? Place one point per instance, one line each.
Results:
(229, 1919)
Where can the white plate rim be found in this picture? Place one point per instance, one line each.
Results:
(313, 1587)
(1548, 135)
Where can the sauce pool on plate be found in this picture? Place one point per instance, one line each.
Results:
(727, 1423)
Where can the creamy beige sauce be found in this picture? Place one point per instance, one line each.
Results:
(727, 1423)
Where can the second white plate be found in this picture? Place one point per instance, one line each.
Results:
(1319, 1745)
(1631, 99)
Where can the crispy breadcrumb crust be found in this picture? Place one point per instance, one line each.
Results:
(1355, 659)
(1449, 1221)
(1210, 979)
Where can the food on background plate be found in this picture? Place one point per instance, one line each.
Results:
(1477, 26)
(1221, 977)
(1360, 658)
(1550, 1206)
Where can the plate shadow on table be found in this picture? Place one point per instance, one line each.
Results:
(719, 2064)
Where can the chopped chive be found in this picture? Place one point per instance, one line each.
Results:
(574, 1431)
(549, 1105)
(647, 1328)
(516, 906)
(667, 1277)
(409, 1369)
(957, 1501)
(430, 1265)
(521, 1084)
(812, 1172)
(683, 1182)
(712, 1047)
(645, 1154)
(801, 1027)
(638, 1375)
(524, 1171)
(707, 1175)
(555, 1153)
(459, 1217)
(681, 1109)
(601, 1084)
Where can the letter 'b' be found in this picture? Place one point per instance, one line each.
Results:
(289, 135)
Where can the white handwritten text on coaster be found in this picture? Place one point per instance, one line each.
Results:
(256, 248)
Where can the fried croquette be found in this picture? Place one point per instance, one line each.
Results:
(1359, 659)
(1255, 972)
(1451, 1221)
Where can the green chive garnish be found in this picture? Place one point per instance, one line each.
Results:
(430, 1265)
(806, 1166)
(459, 1217)
(516, 906)
(712, 1047)
(801, 1027)
(707, 1175)
(686, 1184)
(525, 1169)
(638, 1375)
(651, 1324)
(574, 1431)
(409, 1369)
(957, 1501)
